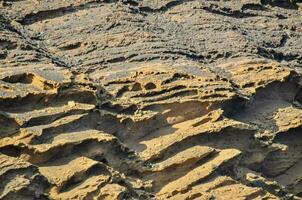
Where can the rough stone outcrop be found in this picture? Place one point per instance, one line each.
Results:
(146, 99)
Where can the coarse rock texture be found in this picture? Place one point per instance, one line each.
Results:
(149, 99)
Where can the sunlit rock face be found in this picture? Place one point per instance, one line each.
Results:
(148, 99)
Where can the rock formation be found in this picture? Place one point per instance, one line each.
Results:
(147, 99)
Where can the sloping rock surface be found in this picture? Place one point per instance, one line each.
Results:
(147, 99)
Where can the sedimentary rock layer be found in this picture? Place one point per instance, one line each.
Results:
(145, 99)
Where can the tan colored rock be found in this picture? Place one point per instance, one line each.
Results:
(150, 99)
